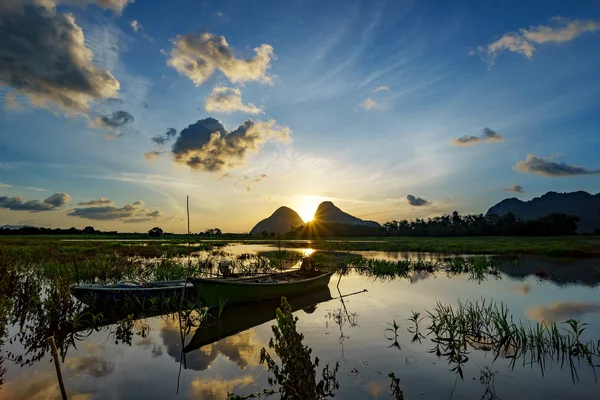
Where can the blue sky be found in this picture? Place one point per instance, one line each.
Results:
(361, 103)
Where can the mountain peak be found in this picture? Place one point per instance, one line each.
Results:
(327, 212)
(281, 221)
(579, 204)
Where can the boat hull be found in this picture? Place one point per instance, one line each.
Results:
(217, 293)
(130, 296)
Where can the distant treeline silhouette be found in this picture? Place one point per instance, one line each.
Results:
(556, 224)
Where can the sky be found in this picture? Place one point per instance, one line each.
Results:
(113, 111)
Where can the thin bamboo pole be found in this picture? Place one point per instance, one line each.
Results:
(57, 365)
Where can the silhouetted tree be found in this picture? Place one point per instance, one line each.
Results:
(155, 232)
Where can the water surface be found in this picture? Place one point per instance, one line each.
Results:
(147, 361)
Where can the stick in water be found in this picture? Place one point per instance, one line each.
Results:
(57, 365)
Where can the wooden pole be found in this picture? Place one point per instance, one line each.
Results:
(57, 365)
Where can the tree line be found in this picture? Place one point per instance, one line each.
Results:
(555, 224)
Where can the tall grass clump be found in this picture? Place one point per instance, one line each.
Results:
(488, 326)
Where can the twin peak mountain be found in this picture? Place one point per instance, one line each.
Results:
(284, 219)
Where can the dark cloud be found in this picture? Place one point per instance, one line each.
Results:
(115, 120)
(53, 202)
(487, 135)
(97, 202)
(198, 55)
(545, 167)
(130, 213)
(514, 188)
(43, 56)
(417, 201)
(209, 146)
(162, 139)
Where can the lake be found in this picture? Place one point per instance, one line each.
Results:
(144, 358)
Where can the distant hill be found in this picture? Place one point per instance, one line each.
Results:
(281, 221)
(14, 226)
(579, 204)
(327, 212)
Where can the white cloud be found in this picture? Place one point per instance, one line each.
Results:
(381, 89)
(198, 56)
(225, 100)
(370, 104)
(136, 25)
(561, 30)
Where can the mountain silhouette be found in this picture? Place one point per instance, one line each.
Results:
(281, 221)
(579, 204)
(284, 218)
(327, 212)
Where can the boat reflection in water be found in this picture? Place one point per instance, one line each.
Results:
(238, 318)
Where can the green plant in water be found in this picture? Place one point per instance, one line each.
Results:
(393, 330)
(296, 376)
(488, 326)
(395, 387)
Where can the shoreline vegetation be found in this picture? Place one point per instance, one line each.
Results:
(176, 245)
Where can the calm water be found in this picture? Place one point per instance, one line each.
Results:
(103, 365)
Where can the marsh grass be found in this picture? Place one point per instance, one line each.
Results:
(576, 246)
(488, 326)
(478, 268)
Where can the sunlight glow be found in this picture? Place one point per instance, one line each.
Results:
(308, 206)
(307, 212)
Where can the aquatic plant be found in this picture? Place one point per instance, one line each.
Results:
(488, 326)
(296, 376)
(395, 387)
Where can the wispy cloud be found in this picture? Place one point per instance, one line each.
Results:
(370, 104)
(559, 30)
(487, 135)
(514, 188)
(135, 25)
(546, 167)
(138, 28)
(381, 89)
(11, 103)
(5, 185)
(226, 100)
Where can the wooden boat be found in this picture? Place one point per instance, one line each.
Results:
(242, 317)
(135, 293)
(219, 292)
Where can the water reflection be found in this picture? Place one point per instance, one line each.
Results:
(562, 311)
(222, 355)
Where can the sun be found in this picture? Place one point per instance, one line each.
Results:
(307, 212)
(307, 207)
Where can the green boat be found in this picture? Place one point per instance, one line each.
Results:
(223, 292)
